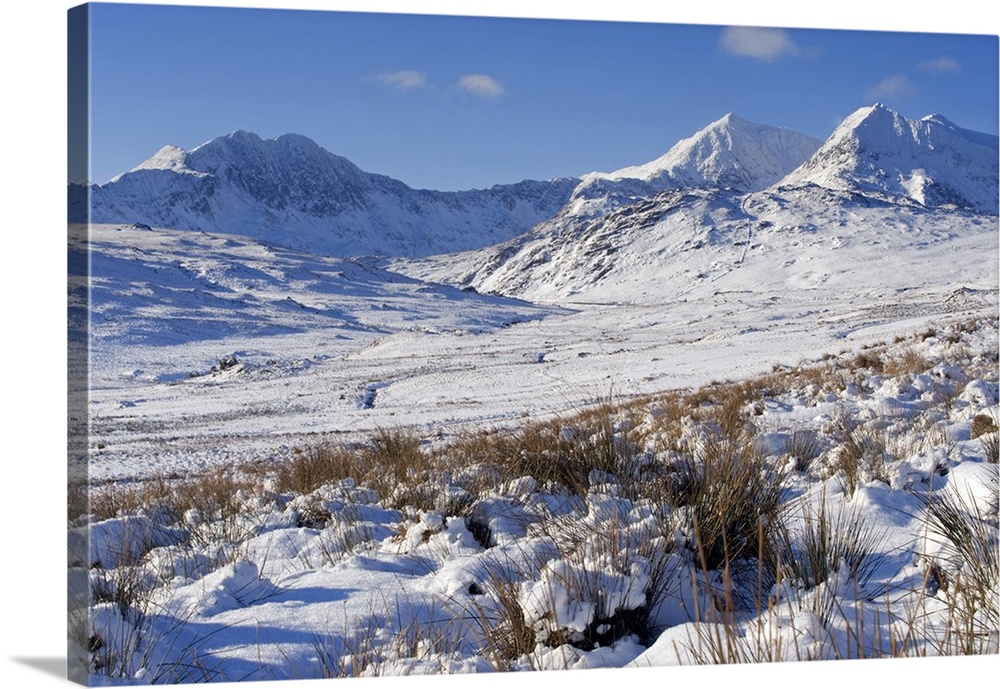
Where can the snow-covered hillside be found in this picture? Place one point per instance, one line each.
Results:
(333, 346)
(700, 242)
(932, 162)
(173, 287)
(821, 226)
(729, 153)
(290, 192)
(684, 285)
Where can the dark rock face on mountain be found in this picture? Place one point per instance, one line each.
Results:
(290, 191)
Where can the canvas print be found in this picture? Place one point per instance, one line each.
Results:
(410, 344)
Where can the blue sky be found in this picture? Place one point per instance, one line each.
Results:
(449, 102)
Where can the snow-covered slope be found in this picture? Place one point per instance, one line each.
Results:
(701, 242)
(326, 345)
(729, 153)
(291, 192)
(152, 287)
(814, 227)
(931, 161)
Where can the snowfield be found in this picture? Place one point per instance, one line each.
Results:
(702, 425)
(269, 353)
(332, 346)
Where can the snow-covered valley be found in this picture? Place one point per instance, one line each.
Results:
(513, 436)
(329, 347)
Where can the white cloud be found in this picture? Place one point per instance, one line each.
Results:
(758, 43)
(481, 85)
(941, 65)
(892, 87)
(403, 80)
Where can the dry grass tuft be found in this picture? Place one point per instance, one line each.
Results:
(732, 496)
(827, 544)
(969, 566)
(908, 362)
(317, 466)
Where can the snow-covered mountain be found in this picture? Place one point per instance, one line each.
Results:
(289, 191)
(878, 152)
(730, 153)
(729, 156)
(919, 183)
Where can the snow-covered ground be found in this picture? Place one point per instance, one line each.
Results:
(345, 581)
(330, 346)
(209, 351)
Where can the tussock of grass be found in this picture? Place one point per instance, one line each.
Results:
(985, 430)
(983, 424)
(907, 362)
(991, 447)
(507, 636)
(219, 494)
(315, 467)
(730, 492)
(803, 448)
(563, 451)
(968, 570)
(864, 451)
(827, 544)
(624, 569)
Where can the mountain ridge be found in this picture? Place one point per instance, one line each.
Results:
(290, 191)
(698, 237)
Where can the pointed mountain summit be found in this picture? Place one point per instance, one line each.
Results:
(731, 152)
(169, 157)
(878, 152)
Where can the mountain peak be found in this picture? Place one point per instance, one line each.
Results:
(876, 151)
(289, 190)
(241, 135)
(877, 109)
(247, 148)
(169, 157)
(297, 140)
(730, 119)
(729, 152)
(877, 115)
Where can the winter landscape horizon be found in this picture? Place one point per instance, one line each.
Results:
(735, 401)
